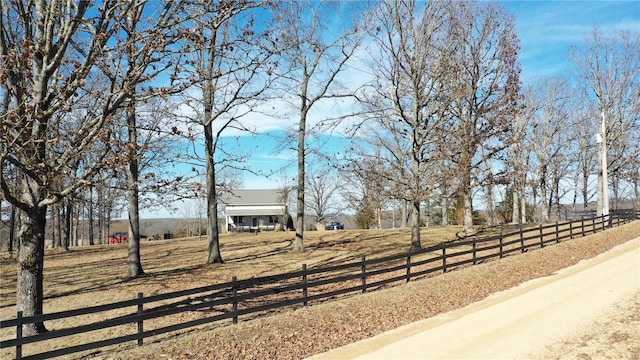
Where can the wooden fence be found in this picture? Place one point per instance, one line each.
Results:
(239, 298)
(630, 214)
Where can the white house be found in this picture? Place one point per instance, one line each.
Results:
(253, 210)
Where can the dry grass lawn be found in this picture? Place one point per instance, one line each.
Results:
(88, 276)
(94, 275)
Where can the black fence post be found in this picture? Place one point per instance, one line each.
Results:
(501, 248)
(234, 297)
(304, 284)
(603, 225)
(444, 258)
(541, 237)
(475, 249)
(409, 266)
(593, 224)
(582, 224)
(521, 239)
(363, 275)
(140, 321)
(19, 335)
(557, 232)
(571, 230)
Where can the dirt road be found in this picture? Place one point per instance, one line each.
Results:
(536, 319)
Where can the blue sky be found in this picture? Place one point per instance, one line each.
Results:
(545, 28)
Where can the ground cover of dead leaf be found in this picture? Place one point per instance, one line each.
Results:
(88, 276)
(78, 280)
(315, 329)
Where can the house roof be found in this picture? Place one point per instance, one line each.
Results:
(255, 197)
(256, 210)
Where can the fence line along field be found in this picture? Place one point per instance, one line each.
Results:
(95, 275)
(174, 267)
(89, 276)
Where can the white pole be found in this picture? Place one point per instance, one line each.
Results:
(605, 180)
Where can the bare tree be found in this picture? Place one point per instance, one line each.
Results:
(548, 139)
(409, 115)
(583, 157)
(311, 58)
(138, 51)
(609, 68)
(521, 149)
(489, 181)
(483, 87)
(229, 68)
(132, 170)
(369, 187)
(49, 56)
(323, 187)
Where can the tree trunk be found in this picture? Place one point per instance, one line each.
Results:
(615, 186)
(68, 212)
(491, 214)
(556, 191)
(415, 226)
(213, 238)
(55, 228)
(101, 216)
(30, 294)
(523, 208)
(636, 190)
(544, 205)
(76, 225)
(445, 210)
(393, 217)
(535, 204)
(490, 209)
(416, 195)
(13, 220)
(91, 217)
(585, 188)
(134, 264)
(600, 194)
(467, 213)
(403, 214)
(298, 244)
(515, 207)
(576, 181)
(468, 210)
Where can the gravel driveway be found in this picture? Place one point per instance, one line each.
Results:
(521, 322)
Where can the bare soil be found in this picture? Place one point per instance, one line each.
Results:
(613, 335)
(91, 276)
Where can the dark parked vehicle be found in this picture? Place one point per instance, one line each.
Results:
(334, 226)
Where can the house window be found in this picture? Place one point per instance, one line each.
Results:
(237, 219)
(273, 219)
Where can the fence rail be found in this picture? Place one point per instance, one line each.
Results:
(258, 295)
